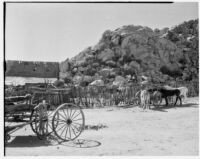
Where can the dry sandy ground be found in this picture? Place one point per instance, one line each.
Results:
(128, 131)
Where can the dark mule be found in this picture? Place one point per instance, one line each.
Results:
(165, 93)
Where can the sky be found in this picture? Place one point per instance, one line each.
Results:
(57, 31)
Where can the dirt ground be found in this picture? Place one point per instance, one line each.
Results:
(122, 131)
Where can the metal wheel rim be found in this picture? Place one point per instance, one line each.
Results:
(69, 129)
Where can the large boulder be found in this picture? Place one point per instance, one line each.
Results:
(97, 83)
(106, 55)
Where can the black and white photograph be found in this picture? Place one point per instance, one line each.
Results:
(100, 78)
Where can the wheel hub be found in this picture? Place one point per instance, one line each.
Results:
(69, 121)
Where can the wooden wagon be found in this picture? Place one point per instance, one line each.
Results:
(65, 120)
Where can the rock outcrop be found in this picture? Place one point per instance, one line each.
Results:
(162, 55)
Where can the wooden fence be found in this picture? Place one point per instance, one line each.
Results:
(89, 97)
(93, 96)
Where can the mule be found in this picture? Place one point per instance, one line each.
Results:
(145, 99)
(167, 92)
(183, 90)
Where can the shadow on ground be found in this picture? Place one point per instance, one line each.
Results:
(81, 143)
(33, 141)
(164, 108)
(28, 141)
(95, 127)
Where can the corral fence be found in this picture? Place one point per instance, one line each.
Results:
(99, 96)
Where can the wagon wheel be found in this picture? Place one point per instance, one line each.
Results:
(68, 121)
(41, 121)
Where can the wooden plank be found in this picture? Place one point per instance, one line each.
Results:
(17, 98)
(18, 107)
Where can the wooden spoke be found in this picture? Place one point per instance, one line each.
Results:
(77, 123)
(66, 133)
(78, 119)
(76, 127)
(64, 121)
(63, 130)
(73, 114)
(73, 131)
(69, 133)
(67, 113)
(76, 116)
(60, 128)
(63, 116)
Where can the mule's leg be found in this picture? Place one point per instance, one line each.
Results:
(161, 100)
(166, 101)
(176, 100)
(144, 106)
(178, 97)
(180, 100)
(147, 104)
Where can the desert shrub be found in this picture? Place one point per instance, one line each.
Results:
(172, 73)
(68, 79)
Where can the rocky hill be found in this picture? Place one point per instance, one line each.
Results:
(161, 55)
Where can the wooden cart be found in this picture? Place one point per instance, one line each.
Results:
(66, 121)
